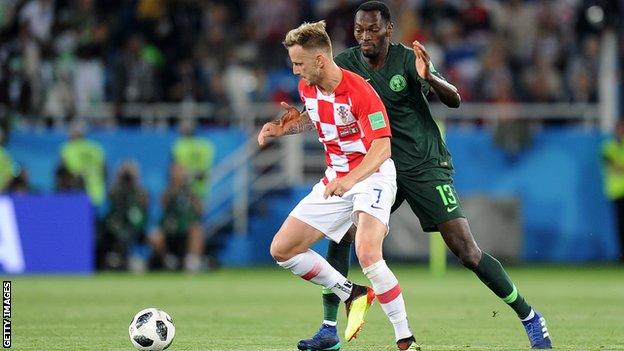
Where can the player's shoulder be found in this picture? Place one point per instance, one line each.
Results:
(401, 50)
(354, 80)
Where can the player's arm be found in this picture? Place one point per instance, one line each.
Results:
(291, 122)
(378, 153)
(447, 92)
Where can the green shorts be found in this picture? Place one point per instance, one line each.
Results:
(431, 195)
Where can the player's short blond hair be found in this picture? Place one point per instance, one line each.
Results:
(309, 36)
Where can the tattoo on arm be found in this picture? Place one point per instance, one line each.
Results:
(303, 124)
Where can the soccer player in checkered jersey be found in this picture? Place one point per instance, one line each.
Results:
(403, 77)
(358, 188)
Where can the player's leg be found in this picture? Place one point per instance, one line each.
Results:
(434, 200)
(291, 249)
(338, 255)
(368, 246)
(326, 338)
(460, 241)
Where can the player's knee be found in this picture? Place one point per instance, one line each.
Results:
(367, 255)
(279, 253)
(470, 258)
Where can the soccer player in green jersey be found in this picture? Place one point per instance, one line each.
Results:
(403, 77)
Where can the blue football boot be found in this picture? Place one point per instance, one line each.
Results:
(326, 339)
(538, 332)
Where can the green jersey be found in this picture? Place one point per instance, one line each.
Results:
(85, 158)
(417, 145)
(196, 156)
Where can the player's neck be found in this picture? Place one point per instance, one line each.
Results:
(378, 61)
(331, 80)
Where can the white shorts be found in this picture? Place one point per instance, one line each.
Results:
(335, 215)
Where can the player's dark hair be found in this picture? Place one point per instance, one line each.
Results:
(376, 6)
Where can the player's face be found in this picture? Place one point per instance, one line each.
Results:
(372, 32)
(305, 64)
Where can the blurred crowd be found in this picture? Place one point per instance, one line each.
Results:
(65, 58)
(127, 238)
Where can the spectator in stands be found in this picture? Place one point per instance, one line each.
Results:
(6, 166)
(613, 158)
(196, 156)
(134, 72)
(124, 225)
(85, 158)
(180, 233)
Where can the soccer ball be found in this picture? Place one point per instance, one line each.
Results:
(151, 330)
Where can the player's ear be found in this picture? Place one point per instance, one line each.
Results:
(320, 60)
(390, 29)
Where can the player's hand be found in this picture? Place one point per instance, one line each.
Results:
(422, 60)
(290, 115)
(338, 187)
(270, 130)
(276, 128)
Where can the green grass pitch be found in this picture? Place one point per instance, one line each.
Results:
(270, 309)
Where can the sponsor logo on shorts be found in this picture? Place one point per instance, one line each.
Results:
(451, 209)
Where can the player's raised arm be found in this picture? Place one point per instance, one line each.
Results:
(446, 91)
(291, 122)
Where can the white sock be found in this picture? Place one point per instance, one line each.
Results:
(313, 267)
(530, 316)
(389, 294)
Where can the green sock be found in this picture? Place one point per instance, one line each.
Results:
(338, 257)
(492, 274)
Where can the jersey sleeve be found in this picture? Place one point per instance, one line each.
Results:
(370, 112)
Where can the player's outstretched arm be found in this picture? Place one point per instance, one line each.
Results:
(447, 92)
(378, 153)
(291, 122)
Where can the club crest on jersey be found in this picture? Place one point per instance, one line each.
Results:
(343, 114)
(397, 83)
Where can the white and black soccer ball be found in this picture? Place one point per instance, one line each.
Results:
(151, 330)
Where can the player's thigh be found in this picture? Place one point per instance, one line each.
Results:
(294, 237)
(433, 201)
(331, 216)
(369, 238)
(371, 216)
(375, 197)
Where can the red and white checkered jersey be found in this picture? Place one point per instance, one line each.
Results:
(347, 121)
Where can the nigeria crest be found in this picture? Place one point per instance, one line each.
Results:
(397, 83)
